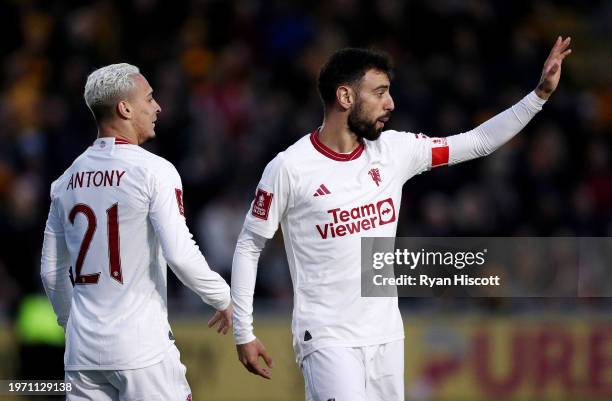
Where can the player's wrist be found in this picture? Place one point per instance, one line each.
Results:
(245, 338)
(533, 101)
(222, 305)
(542, 93)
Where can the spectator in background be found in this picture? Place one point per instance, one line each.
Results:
(272, 51)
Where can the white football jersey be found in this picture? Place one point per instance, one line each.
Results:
(325, 202)
(116, 217)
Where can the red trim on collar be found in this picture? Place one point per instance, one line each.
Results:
(332, 154)
(121, 141)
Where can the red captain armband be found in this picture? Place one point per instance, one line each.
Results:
(179, 201)
(439, 152)
(261, 204)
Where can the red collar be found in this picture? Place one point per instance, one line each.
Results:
(121, 141)
(332, 154)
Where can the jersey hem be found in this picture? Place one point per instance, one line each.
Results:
(347, 344)
(150, 362)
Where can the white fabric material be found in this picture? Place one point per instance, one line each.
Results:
(326, 271)
(324, 207)
(244, 273)
(493, 133)
(372, 373)
(56, 262)
(160, 382)
(120, 322)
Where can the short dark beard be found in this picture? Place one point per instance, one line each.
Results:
(360, 126)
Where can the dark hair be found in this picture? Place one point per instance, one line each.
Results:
(347, 67)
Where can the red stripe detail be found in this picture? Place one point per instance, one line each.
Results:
(179, 201)
(439, 156)
(324, 188)
(327, 152)
(320, 191)
(121, 141)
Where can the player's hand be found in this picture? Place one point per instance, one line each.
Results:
(224, 318)
(552, 68)
(249, 354)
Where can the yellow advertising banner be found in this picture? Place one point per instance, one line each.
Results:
(447, 358)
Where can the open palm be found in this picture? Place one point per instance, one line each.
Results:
(551, 73)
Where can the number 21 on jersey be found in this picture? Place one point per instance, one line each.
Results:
(114, 260)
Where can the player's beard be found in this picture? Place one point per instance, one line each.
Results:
(360, 126)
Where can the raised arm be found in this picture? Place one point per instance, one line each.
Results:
(428, 152)
(498, 130)
(493, 133)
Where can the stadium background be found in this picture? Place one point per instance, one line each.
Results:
(236, 82)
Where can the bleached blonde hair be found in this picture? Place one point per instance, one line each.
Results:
(107, 85)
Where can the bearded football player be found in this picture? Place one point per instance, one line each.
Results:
(336, 184)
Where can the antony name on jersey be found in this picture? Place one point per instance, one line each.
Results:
(87, 179)
(116, 220)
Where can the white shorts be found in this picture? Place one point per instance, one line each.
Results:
(370, 373)
(164, 381)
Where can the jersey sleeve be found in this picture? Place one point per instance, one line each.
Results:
(493, 133)
(166, 213)
(55, 265)
(272, 199)
(416, 153)
(244, 273)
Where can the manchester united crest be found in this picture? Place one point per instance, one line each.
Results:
(375, 175)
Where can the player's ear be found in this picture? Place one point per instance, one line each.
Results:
(345, 96)
(124, 109)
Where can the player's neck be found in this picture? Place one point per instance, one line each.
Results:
(336, 135)
(114, 130)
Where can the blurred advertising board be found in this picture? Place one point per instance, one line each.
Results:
(541, 357)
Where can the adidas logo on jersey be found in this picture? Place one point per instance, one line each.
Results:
(361, 218)
(322, 190)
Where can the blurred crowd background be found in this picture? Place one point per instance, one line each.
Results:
(236, 83)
